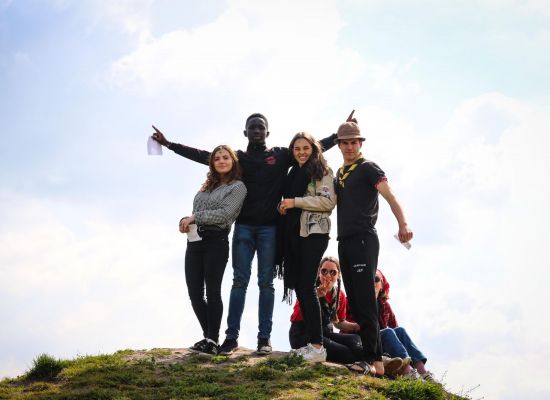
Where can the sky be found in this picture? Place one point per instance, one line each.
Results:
(453, 98)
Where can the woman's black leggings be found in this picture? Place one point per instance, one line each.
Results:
(344, 348)
(205, 262)
(312, 249)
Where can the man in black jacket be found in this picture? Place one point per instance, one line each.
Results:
(264, 171)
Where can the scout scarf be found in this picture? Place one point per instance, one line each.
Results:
(342, 176)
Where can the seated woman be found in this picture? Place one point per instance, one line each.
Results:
(395, 339)
(215, 208)
(342, 348)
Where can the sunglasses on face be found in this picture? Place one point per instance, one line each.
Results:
(377, 279)
(325, 271)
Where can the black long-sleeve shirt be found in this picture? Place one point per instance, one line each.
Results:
(263, 170)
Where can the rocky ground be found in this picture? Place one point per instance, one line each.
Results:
(173, 356)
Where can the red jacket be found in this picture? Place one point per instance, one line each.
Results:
(340, 313)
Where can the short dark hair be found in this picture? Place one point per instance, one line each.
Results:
(257, 115)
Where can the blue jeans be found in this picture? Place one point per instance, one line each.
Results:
(248, 239)
(397, 343)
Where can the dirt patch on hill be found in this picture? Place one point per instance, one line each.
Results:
(174, 356)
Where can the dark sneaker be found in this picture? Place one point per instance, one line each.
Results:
(264, 346)
(211, 348)
(199, 346)
(228, 346)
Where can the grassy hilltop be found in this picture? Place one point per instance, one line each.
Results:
(180, 374)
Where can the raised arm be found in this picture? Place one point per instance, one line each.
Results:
(200, 156)
(405, 234)
(329, 142)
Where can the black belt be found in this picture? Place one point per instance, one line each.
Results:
(211, 228)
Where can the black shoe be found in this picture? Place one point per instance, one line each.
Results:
(264, 346)
(228, 346)
(211, 348)
(199, 346)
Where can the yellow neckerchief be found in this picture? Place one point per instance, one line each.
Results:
(343, 176)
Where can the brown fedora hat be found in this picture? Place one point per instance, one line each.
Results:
(348, 130)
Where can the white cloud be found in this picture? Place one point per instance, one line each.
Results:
(92, 285)
(132, 16)
(255, 50)
(481, 288)
(392, 77)
(537, 7)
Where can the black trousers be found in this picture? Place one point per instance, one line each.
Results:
(358, 261)
(312, 249)
(205, 263)
(344, 348)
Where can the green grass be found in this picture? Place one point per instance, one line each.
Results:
(45, 367)
(119, 377)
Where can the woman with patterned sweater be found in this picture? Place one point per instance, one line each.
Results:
(215, 208)
(303, 234)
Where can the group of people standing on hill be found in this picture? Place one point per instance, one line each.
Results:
(281, 200)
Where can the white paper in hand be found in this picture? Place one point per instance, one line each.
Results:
(153, 147)
(407, 245)
(193, 235)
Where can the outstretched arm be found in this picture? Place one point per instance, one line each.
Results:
(405, 234)
(200, 156)
(328, 142)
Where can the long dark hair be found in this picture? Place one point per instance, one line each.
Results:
(316, 166)
(213, 178)
(333, 307)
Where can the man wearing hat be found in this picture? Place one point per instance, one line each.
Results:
(358, 183)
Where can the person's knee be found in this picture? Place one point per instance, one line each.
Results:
(388, 333)
(265, 281)
(240, 284)
(266, 286)
(195, 295)
(214, 295)
(401, 333)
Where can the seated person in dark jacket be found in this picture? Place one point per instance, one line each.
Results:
(341, 347)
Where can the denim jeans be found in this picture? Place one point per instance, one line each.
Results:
(248, 239)
(397, 343)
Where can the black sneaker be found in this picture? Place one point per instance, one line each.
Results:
(264, 346)
(228, 346)
(211, 348)
(199, 346)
